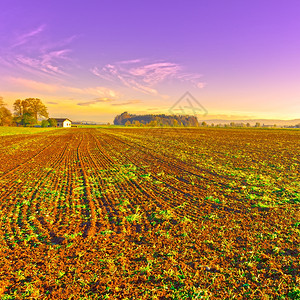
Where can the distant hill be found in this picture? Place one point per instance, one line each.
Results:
(254, 121)
(88, 123)
(156, 120)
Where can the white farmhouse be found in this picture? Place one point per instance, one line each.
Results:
(63, 122)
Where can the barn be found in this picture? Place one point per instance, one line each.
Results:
(63, 122)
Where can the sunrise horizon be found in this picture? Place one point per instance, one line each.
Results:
(239, 60)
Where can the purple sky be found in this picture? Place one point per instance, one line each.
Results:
(91, 60)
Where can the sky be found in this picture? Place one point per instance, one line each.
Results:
(91, 60)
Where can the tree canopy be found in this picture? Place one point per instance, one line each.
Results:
(52, 122)
(28, 111)
(5, 114)
(156, 120)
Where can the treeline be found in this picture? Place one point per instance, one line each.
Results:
(5, 114)
(26, 113)
(156, 120)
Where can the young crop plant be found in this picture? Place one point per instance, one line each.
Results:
(166, 214)
(136, 217)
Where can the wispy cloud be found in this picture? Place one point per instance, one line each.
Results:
(130, 102)
(144, 76)
(33, 52)
(24, 38)
(94, 91)
(130, 61)
(156, 72)
(49, 63)
(95, 101)
(42, 64)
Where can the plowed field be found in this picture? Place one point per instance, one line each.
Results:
(141, 213)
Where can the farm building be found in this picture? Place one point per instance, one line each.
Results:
(63, 122)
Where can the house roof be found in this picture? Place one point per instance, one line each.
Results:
(61, 119)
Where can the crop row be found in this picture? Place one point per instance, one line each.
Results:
(145, 213)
